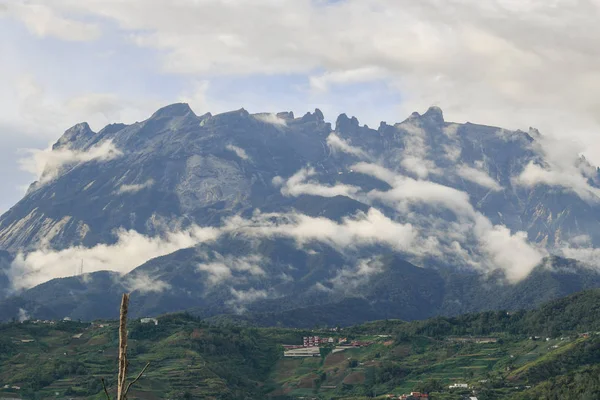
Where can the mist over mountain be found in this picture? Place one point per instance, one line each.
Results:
(269, 213)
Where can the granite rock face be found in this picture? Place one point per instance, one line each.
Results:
(176, 170)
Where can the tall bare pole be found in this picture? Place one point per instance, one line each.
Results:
(123, 363)
(122, 387)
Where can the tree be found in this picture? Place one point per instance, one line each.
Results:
(122, 386)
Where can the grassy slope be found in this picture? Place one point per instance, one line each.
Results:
(191, 359)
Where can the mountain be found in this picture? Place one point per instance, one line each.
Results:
(178, 168)
(268, 215)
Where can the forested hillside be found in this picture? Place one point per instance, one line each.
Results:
(549, 353)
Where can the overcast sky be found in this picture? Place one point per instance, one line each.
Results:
(510, 63)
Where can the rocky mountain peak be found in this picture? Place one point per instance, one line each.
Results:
(287, 115)
(316, 116)
(435, 114)
(80, 131)
(173, 110)
(343, 122)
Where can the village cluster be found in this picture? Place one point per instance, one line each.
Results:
(311, 344)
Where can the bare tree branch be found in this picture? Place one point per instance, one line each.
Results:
(105, 390)
(122, 348)
(135, 380)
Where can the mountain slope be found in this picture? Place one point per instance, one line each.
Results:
(268, 213)
(177, 168)
(273, 283)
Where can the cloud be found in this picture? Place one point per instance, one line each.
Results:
(362, 229)
(144, 283)
(136, 187)
(48, 164)
(241, 153)
(336, 143)
(510, 252)
(43, 21)
(559, 165)
(300, 184)
(322, 288)
(221, 268)
(534, 174)
(241, 298)
(196, 96)
(270, 118)
(130, 250)
(107, 104)
(414, 156)
(496, 247)
(479, 177)
(408, 191)
(364, 74)
(487, 61)
(348, 279)
(23, 315)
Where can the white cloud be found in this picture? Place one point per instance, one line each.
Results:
(270, 118)
(196, 96)
(48, 164)
(322, 288)
(497, 246)
(408, 191)
(243, 297)
(246, 296)
(144, 283)
(299, 184)
(510, 252)
(562, 167)
(483, 60)
(221, 268)
(42, 20)
(38, 112)
(414, 157)
(348, 279)
(136, 187)
(130, 250)
(241, 153)
(364, 74)
(362, 229)
(534, 175)
(336, 143)
(107, 104)
(479, 177)
(23, 315)
(488, 61)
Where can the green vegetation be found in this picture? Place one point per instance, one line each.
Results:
(549, 353)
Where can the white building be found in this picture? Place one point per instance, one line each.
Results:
(149, 320)
(303, 352)
(458, 386)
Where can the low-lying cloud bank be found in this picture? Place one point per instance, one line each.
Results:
(130, 250)
(561, 168)
(469, 240)
(429, 221)
(336, 144)
(272, 119)
(48, 164)
(136, 187)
